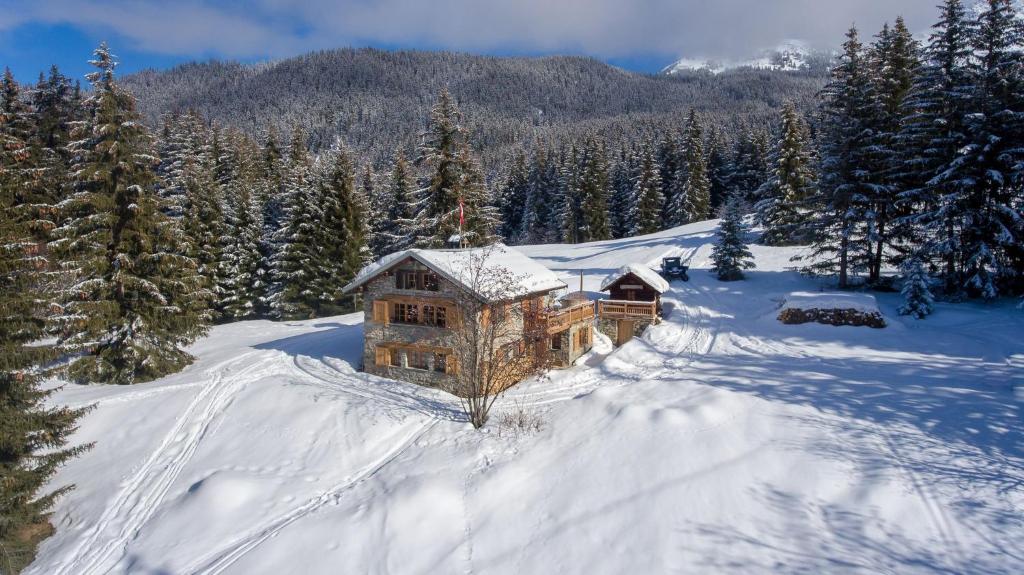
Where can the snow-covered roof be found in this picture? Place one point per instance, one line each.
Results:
(646, 274)
(861, 302)
(500, 261)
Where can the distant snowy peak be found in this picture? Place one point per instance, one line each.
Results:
(790, 55)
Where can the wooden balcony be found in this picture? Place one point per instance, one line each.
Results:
(558, 320)
(621, 309)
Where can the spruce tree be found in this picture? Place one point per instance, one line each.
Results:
(134, 300)
(539, 220)
(569, 214)
(293, 295)
(781, 205)
(839, 238)
(933, 132)
(513, 197)
(917, 295)
(730, 254)
(454, 179)
(396, 226)
(622, 194)
(240, 297)
(981, 179)
(696, 194)
(645, 211)
(271, 199)
(341, 232)
(33, 436)
(593, 190)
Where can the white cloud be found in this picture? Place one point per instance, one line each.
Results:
(603, 28)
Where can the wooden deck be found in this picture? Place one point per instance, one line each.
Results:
(560, 320)
(621, 309)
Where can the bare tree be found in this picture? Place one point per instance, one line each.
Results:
(497, 339)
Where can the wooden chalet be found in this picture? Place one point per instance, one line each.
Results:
(634, 302)
(419, 305)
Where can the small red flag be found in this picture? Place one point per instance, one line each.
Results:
(462, 213)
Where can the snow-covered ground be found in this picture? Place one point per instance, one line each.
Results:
(722, 441)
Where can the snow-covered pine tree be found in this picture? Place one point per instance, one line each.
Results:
(134, 300)
(56, 105)
(270, 196)
(292, 295)
(696, 193)
(781, 206)
(917, 295)
(645, 211)
(730, 254)
(893, 61)
(244, 222)
(394, 233)
(33, 436)
(452, 176)
(539, 221)
(622, 193)
(839, 241)
(670, 164)
(982, 179)
(719, 165)
(372, 210)
(569, 213)
(513, 196)
(932, 133)
(593, 189)
(750, 167)
(341, 231)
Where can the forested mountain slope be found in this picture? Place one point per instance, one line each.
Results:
(377, 100)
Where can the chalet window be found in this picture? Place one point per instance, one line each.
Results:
(440, 363)
(395, 357)
(436, 316)
(422, 280)
(418, 359)
(556, 341)
(584, 336)
(406, 313)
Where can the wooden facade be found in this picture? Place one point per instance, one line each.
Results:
(413, 315)
(633, 305)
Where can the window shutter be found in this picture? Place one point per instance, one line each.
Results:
(485, 316)
(383, 356)
(380, 311)
(451, 365)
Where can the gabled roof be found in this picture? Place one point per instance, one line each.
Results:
(525, 276)
(644, 273)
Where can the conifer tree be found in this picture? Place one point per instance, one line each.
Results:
(645, 212)
(341, 232)
(513, 197)
(33, 436)
(730, 254)
(893, 61)
(570, 216)
(293, 294)
(244, 221)
(932, 132)
(540, 221)
(271, 199)
(622, 193)
(718, 168)
(917, 296)
(134, 300)
(371, 210)
(395, 231)
(593, 190)
(454, 179)
(696, 194)
(981, 178)
(839, 237)
(780, 208)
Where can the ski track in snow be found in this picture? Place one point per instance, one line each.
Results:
(218, 561)
(104, 544)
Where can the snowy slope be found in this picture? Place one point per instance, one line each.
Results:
(720, 442)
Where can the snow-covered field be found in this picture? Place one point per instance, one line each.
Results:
(723, 441)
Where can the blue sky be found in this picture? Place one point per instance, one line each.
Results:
(643, 35)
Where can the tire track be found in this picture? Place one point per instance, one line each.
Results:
(98, 549)
(223, 558)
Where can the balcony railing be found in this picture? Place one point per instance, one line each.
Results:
(558, 320)
(620, 309)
